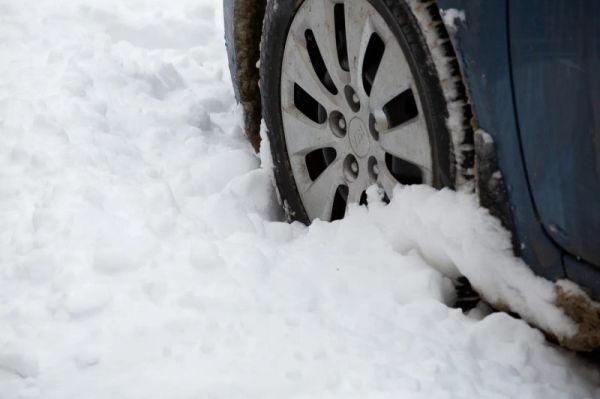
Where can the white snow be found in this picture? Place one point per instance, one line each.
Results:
(142, 253)
(450, 16)
(16, 358)
(86, 300)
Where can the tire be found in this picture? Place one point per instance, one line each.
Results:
(428, 96)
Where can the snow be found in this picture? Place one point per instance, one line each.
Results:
(143, 253)
(450, 16)
(15, 358)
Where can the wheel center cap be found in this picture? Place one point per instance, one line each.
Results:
(359, 141)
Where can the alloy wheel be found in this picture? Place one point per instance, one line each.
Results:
(350, 110)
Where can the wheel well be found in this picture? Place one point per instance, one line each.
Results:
(477, 161)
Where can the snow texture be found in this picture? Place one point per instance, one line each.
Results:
(451, 16)
(143, 255)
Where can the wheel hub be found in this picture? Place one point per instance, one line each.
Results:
(359, 138)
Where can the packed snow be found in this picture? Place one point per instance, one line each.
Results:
(143, 252)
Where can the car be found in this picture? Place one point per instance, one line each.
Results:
(500, 97)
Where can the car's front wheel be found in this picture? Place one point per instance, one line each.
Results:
(351, 97)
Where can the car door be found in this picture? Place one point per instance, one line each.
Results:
(555, 60)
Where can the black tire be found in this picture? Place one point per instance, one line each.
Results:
(398, 15)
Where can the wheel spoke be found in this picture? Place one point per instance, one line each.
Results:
(318, 197)
(358, 32)
(408, 142)
(307, 135)
(354, 193)
(322, 23)
(392, 78)
(297, 68)
(386, 180)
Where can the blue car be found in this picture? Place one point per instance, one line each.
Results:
(498, 96)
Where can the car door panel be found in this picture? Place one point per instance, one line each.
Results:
(555, 59)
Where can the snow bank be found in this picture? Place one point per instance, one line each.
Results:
(142, 253)
(450, 229)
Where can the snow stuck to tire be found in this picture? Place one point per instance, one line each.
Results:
(142, 256)
(457, 122)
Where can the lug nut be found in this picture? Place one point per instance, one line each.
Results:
(350, 168)
(375, 169)
(337, 124)
(352, 98)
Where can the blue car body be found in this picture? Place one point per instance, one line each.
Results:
(532, 70)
